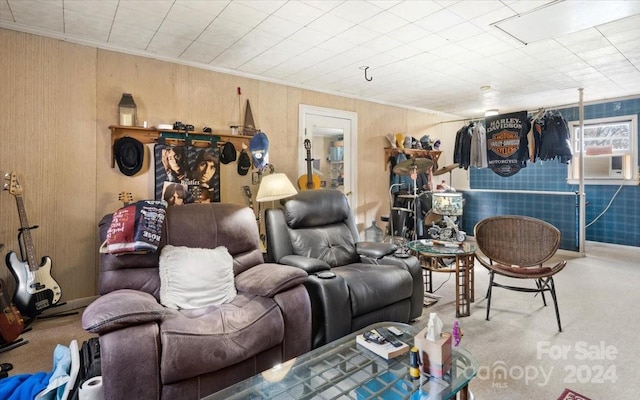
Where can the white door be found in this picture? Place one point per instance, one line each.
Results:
(332, 139)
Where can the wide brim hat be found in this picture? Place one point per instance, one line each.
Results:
(129, 155)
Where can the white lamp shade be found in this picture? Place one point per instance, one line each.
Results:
(275, 187)
(447, 203)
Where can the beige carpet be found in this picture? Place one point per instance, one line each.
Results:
(42, 337)
(521, 355)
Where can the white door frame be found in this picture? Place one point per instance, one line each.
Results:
(350, 145)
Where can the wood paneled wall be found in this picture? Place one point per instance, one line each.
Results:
(57, 100)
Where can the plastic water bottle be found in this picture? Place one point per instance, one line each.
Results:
(373, 233)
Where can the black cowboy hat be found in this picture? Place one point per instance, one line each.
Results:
(129, 154)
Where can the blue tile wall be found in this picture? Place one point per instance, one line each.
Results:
(619, 224)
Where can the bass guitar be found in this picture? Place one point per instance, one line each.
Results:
(36, 289)
(11, 322)
(309, 181)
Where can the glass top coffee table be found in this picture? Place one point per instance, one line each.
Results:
(343, 369)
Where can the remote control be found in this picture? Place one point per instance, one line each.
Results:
(395, 331)
(384, 332)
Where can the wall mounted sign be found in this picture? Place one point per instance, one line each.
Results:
(503, 142)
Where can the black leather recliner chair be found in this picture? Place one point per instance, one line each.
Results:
(351, 284)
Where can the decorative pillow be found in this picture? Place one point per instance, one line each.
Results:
(195, 278)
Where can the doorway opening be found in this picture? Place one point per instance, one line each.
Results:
(332, 136)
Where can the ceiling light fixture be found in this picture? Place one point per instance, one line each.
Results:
(490, 113)
(563, 17)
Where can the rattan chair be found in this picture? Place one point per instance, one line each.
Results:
(517, 246)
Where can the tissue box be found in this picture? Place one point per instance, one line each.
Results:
(435, 356)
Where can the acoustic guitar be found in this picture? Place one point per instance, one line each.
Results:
(11, 322)
(309, 181)
(36, 289)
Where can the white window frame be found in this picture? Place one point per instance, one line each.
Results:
(629, 175)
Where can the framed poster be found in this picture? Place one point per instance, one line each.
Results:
(187, 174)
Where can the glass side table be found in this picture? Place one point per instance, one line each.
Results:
(432, 259)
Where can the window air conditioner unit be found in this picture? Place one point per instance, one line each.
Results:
(602, 167)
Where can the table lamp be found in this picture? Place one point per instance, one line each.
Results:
(275, 187)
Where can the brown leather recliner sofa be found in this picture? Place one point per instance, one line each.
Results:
(149, 351)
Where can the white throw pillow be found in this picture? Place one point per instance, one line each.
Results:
(195, 278)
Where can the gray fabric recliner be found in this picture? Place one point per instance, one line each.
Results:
(152, 352)
(352, 284)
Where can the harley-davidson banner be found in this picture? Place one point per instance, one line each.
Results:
(503, 141)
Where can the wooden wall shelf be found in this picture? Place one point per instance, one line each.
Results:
(152, 135)
(391, 152)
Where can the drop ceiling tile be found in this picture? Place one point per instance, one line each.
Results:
(87, 26)
(101, 8)
(356, 11)
(330, 24)
(256, 42)
(381, 43)
(183, 29)
(39, 13)
(440, 20)
(266, 6)
(5, 11)
(357, 34)
(224, 33)
(408, 33)
(337, 45)
(145, 9)
(279, 27)
(180, 12)
(324, 5)
(128, 15)
(257, 66)
(602, 54)
(486, 21)
(290, 46)
(414, 10)
(424, 60)
(384, 22)
(629, 24)
(461, 31)
(450, 50)
(243, 14)
(204, 7)
(584, 40)
(402, 52)
(429, 43)
(522, 7)
(168, 45)
(201, 53)
(310, 36)
(233, 58)
(136, 37)
(299, 12)
(470, 10)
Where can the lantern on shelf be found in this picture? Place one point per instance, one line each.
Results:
(127, 110)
